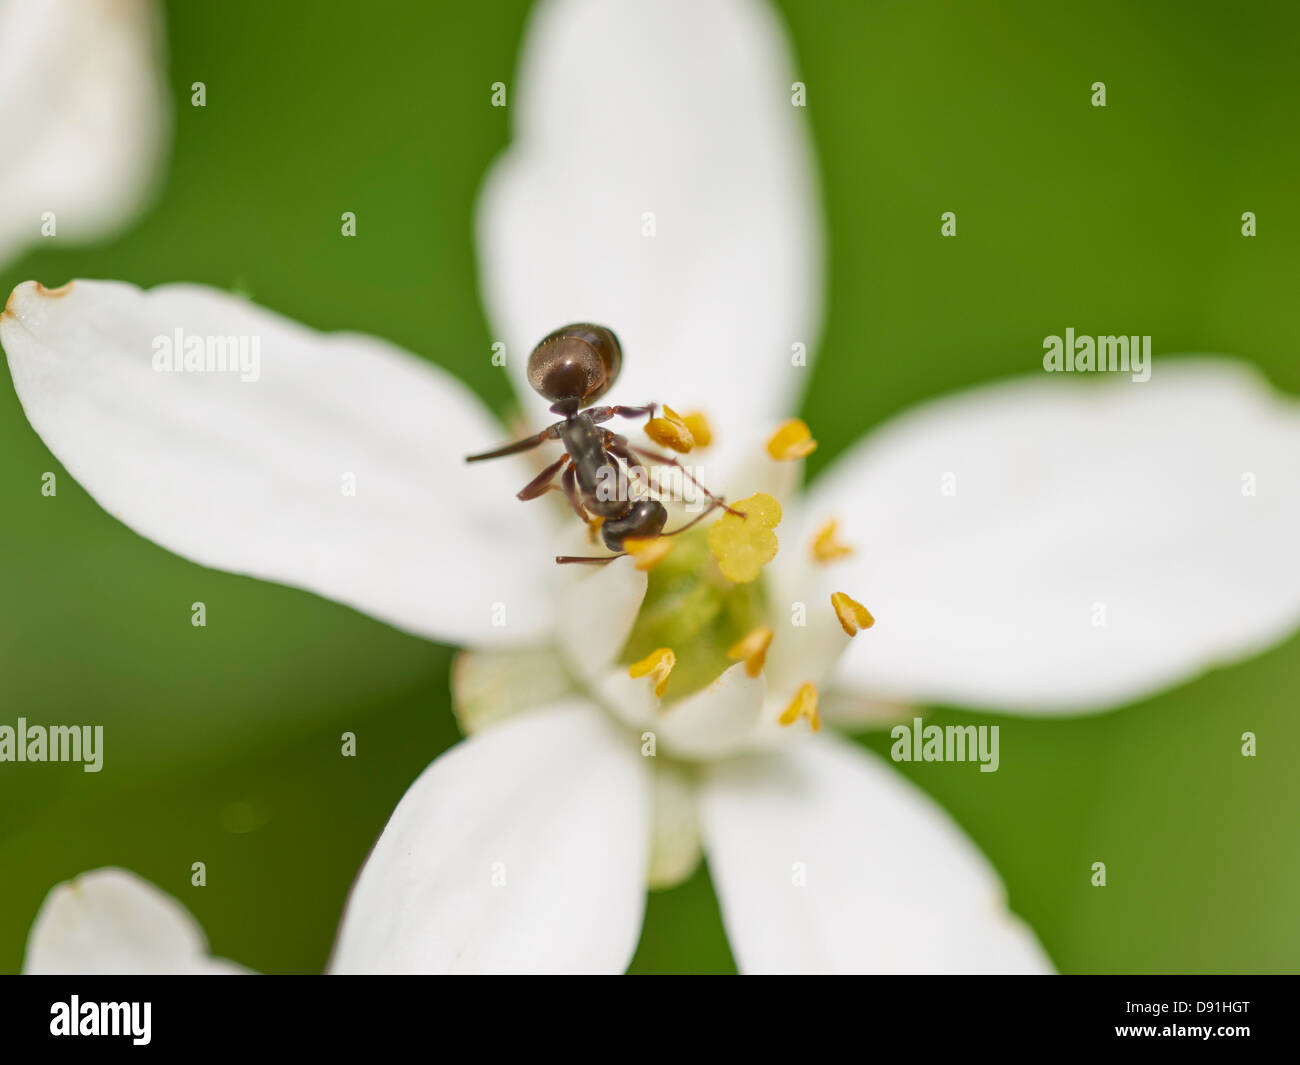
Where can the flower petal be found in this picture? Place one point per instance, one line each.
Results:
(716, 721)
(112, 922)
(676, 205)
(1054, 544)
(597, 609)
(675, 840)
(522, 849)
(339, 469)
(489, 686)
(827, 861)
(85, 118)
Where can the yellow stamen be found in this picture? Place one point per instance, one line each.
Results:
(827, 545)
(852, 614)
(698, 424)
(752, 650)
(744, 545)
(656, 665)
(648, 551)
(791, 441)
(804, 704)
(670, 431)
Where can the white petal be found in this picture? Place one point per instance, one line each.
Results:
(112, 922)
(854, 711)
(828, 861)
(675, 839)
(1071, 498)
(711, 723)
(522, 849)
(680, 110)
(250, 476)
(716, 721)
(489, 686)
(597, 609)
(85, 117)
(809, 650)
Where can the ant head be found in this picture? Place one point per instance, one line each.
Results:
(575, 365)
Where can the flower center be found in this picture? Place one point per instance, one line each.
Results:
(692, 608)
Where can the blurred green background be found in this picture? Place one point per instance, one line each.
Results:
(222, 743)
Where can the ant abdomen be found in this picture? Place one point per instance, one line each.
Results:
(575, 365)
(645, 517)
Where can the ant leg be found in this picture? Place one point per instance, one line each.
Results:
(569, 485)
(603, 414)
(593, 560)
(550, 433)
(619, 446)
(541, 484)
(698, 518)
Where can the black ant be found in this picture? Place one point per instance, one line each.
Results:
(571, 367)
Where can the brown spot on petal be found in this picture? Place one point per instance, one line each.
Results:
(52, 293)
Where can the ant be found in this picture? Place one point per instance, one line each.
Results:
(571, 367)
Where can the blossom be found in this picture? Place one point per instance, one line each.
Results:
(86, 113)
(111, 922)
(661, 182)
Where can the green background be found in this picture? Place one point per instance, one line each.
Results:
(222, 743)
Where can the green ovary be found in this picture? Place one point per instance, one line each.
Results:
(692, 608)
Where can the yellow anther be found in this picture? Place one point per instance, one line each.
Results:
(827, 545)
(744, 545)
(670, 431)
(752, 650)
(698, 424)
(656, 665)
(852, 614)
(648, 551)
(804, 704)
(791, 441)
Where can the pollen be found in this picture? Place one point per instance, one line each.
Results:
(647, 551)
(698, 424)
(670, 431)
(804, 704)
(827, 545)
(743, 542)
(853, 615)
(752, 649)
(657, 665)
(791, 441)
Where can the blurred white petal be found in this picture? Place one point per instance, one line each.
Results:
(250, 476)
(1071, 498)
(675, 840)
(84, 116)
(680, 109)
(489, 686)
(596, 609)
(715, 721)
(828, 861)
(112, 922)
(522, 849)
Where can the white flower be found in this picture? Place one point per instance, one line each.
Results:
(529, 846)
(84, 113)
(111, 922)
